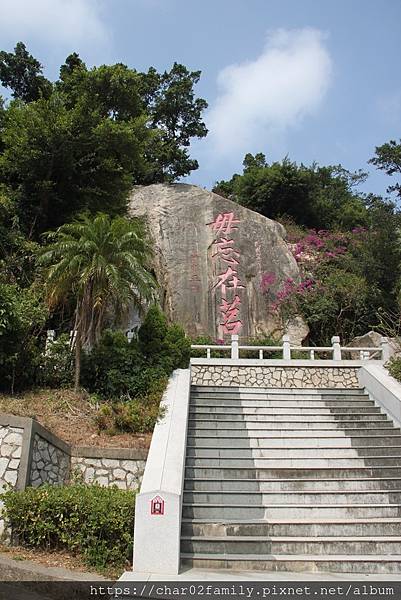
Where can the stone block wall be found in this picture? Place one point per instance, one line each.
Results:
(275, 376)
(50, 464)
(30, 455)
(10, 454)
(121, 467)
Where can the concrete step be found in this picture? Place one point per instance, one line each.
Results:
(292, 485)
(292, 409)
(271, 498)
(288, 418)
(284, 453)
(264, 432)
(303, 424)
(318, 404)
(260, 391)
(300, 441)
(290, 462)
(283, 400)
(299, 527)
(342, 563)
(280, 511)
(237, 544)
(273, 434)
(293, 472)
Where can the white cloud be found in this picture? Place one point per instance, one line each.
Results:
(270, 94)
(65, 22)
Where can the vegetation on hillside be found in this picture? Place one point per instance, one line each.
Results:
(347, 244)
(70, 152)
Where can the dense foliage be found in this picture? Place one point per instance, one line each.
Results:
(83, 141)
(388, 158)
(394, 367)
(132, 376)
(76, 518)
(318, 197)
(22, 318)
(347, 245)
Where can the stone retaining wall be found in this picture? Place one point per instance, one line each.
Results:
(121, 467)
(32, 455)
(275, 376)
(10, 454)
(50, 464)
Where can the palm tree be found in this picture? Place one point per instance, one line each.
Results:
(101, 262)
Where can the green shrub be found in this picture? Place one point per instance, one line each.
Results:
(22, 318)
(394, 367)
(137, 415)
(90, 520)
(132, 376)
(162, 345)
(116, 369)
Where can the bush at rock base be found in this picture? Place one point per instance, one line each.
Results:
(129, 378)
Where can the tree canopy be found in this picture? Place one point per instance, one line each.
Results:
(314, 196)
(82, 142)
(388, 158)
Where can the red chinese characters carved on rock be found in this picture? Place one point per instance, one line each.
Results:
(228, 281)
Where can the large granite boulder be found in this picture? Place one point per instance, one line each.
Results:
(371, 339)
(219, 265)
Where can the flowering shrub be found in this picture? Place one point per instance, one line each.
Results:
(329, 296)
(324, 245)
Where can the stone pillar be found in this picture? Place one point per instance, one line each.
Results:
(386, 350)
(234, 347)
(335, 340)
(286, 347)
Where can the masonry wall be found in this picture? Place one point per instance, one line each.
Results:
(30, 455)
(50, 463)
(275, 376)
(123, 467)
(10, 454)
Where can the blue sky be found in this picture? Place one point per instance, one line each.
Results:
(314, 80)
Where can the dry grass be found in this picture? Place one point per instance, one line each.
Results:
(56, 558)
(70, 416)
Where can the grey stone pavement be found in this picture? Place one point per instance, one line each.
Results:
(227, 575)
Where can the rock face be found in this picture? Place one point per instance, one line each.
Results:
(219, 265)
(372, 339)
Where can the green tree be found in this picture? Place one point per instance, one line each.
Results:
(339, 305)
(388, 159)
(82, 143)
(101, 263)
(22, 73)
(318, 197)
(22, 319)
(176, 115)
(58, 161)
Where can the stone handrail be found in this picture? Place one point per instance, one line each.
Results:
(336, 350)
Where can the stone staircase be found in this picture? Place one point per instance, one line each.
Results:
(291, 480)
